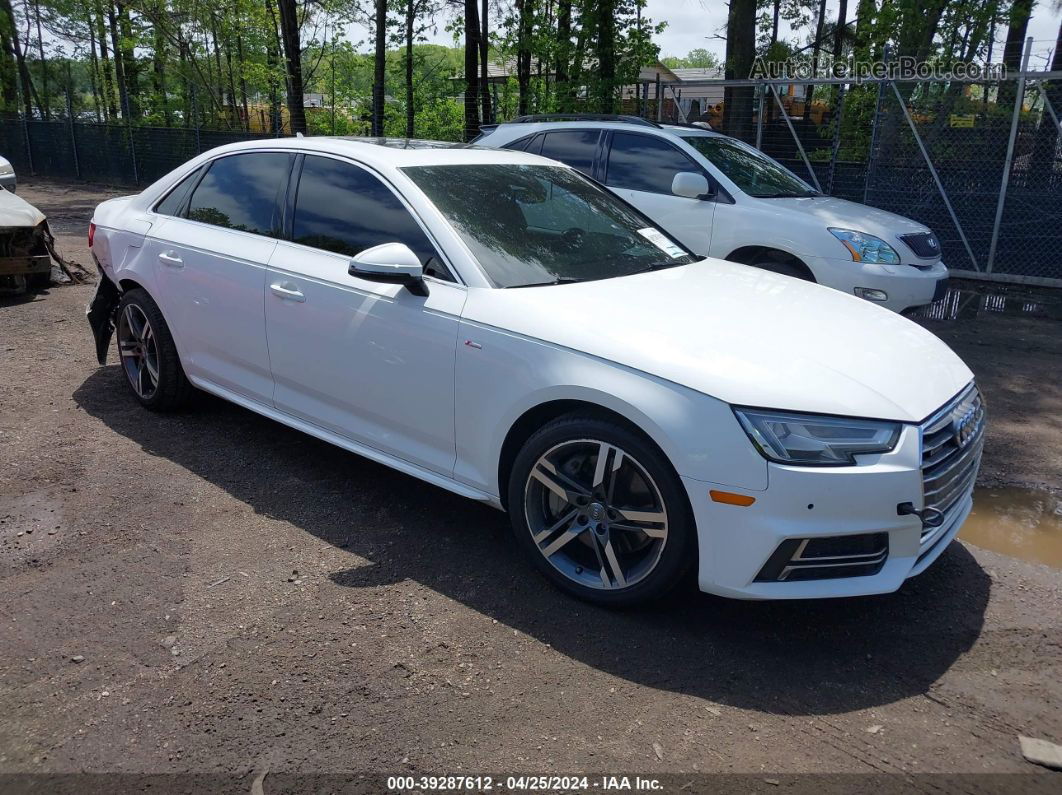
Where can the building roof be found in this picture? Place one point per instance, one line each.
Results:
(697, 73)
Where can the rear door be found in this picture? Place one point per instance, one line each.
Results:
(640, 168)
(211, 258)
(369, 361)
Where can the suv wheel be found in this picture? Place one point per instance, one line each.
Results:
(601, 512)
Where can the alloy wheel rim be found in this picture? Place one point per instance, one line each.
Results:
(595, 514)
(139, 351)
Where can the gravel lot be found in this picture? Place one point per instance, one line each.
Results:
(213, 592)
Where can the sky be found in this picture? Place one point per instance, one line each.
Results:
(702, 23)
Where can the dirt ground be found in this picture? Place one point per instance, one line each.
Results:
(215, 593)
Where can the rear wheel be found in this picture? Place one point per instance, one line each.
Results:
(601, 512)
(147, 354)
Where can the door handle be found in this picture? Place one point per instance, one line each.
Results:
(173, 261)
(287, 291)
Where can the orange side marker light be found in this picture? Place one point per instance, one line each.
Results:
(730, 498)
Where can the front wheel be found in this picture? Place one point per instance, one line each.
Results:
(601, 512)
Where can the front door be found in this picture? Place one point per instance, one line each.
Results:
(641, 168)
(371, 362)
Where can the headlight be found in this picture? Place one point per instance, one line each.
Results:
(6, 168)
(866, 248)
(814, 440)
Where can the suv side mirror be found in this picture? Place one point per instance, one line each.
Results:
(691, 185)
(391, 263)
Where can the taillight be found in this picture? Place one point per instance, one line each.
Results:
(92, 232)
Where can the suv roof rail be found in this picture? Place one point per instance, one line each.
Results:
(537, 117)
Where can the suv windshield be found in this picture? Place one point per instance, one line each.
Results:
(749, 169)
(535, 225)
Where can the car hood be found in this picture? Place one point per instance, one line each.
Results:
(16, 211)
(745, 336)
(835, 212)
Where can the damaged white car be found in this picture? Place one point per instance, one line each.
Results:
(27, 249)
(25, 261)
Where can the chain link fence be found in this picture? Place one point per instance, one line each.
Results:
(979, 163)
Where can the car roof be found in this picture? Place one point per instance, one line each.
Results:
(389, 152)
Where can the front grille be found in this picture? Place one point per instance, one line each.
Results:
(923, 244)
(952, 441)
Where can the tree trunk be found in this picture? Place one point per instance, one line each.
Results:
(8, 63)
(471, 97)
(94, 67)
(379, 69)
(29, 92)
(289, 37)
(130, 69)
(740, 53)
(158, 68)
(564, 43)
(484, 53)
(119, 69)
(46, 109)
(1013, 49)
(411, 17)
(243, 82)
(606, 56)
(525, 19)
(774, 20)
(105, 62)
(817, 44)
(841, 30)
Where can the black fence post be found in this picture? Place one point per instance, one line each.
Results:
(195, 124)
(70, 120)
(29, 146)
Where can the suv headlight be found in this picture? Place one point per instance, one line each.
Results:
(866, 248)
(6, 168)
(815, 440)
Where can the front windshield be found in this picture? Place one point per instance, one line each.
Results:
(753, 172)
(531, 225)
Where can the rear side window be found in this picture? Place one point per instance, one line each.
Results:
(343, 208)
(520, 144)
(646, 163)
(174, 200)
(240, 192)
(577, 148)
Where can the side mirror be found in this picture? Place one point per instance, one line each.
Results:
(392, 263)
(691, 185)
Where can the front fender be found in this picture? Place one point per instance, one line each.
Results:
(508, 375)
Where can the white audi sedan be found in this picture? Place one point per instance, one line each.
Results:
(498, 325)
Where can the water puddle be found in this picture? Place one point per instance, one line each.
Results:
(1021, 523)
(971, 300)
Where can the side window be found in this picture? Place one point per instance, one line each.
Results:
(343, 208)
(174, 200)
(642, 162)
(520, 144)
(577, 148)
(240, 192)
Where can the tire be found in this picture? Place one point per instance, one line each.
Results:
(628, 541)
(776, 262)
(147, 354)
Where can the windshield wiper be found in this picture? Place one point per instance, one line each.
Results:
(558, 280)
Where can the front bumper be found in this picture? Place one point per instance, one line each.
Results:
(906, 286)
(735, 543)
